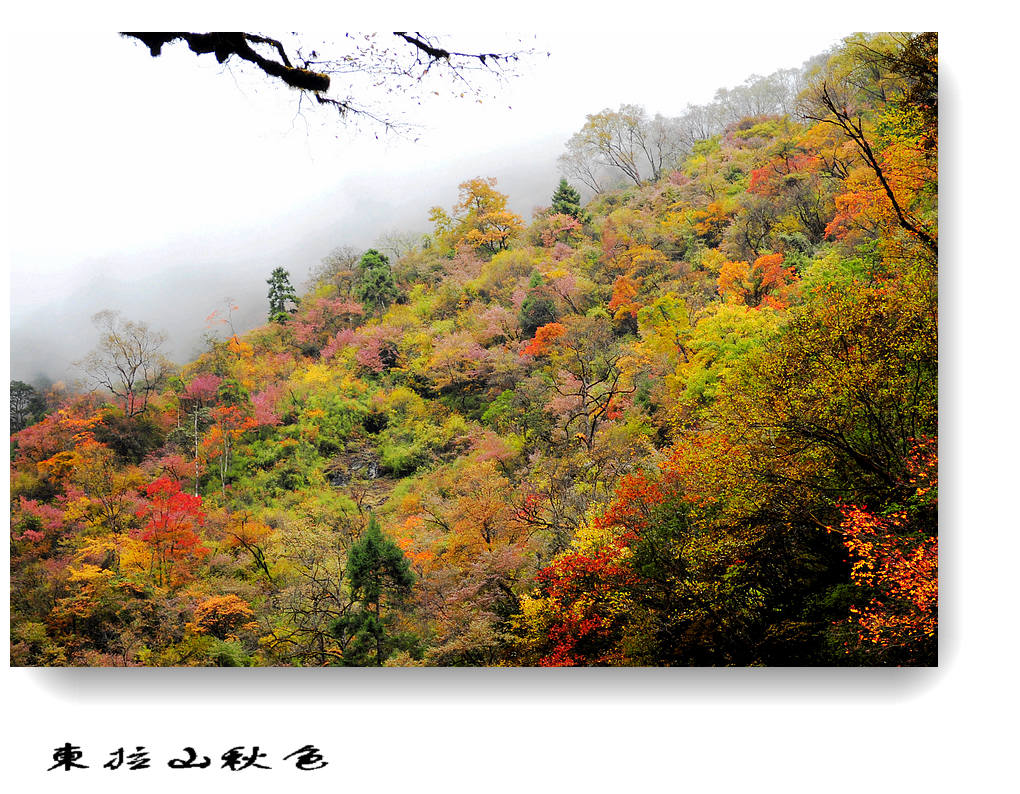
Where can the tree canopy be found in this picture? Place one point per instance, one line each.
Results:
(281, 292)
(692, 421)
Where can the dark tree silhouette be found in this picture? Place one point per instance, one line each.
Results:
(416, 56)
(27, 406)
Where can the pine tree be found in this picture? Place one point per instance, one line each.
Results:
(378, 573)
(280, 293)
(567, 201)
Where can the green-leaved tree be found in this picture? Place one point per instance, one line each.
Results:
(281, 292)
(380, 578)
(567, 201)
(375, 286)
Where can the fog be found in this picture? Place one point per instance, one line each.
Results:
(175, 283)
(161, 186)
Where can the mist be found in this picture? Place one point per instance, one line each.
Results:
(182, 183)
(175, 285)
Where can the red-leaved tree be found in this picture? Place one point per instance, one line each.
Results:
(170, 517)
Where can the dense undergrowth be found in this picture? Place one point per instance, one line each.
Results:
(692, 422)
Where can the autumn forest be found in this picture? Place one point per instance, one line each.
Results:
(686, 414)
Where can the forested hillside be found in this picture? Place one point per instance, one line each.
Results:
(690, 421)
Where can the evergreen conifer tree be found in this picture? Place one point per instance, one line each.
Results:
(567, 201)
(378, 573)
(280, 293)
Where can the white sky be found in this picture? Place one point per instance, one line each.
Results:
(159, 186)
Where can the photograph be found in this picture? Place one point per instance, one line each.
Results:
(475, 350)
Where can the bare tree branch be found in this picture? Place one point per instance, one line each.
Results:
(385, 68)
(225, 45)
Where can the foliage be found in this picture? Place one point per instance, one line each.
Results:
(691, 422)
(567, 201)
(170, 519)
(379, 575)
(222, 616)
(895, 557)
(374, 284)
(281, 292)
(480, 219)
(27, 406)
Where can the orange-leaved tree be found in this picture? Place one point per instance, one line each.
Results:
(765, 282)
(894, 557)
(544, 337)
